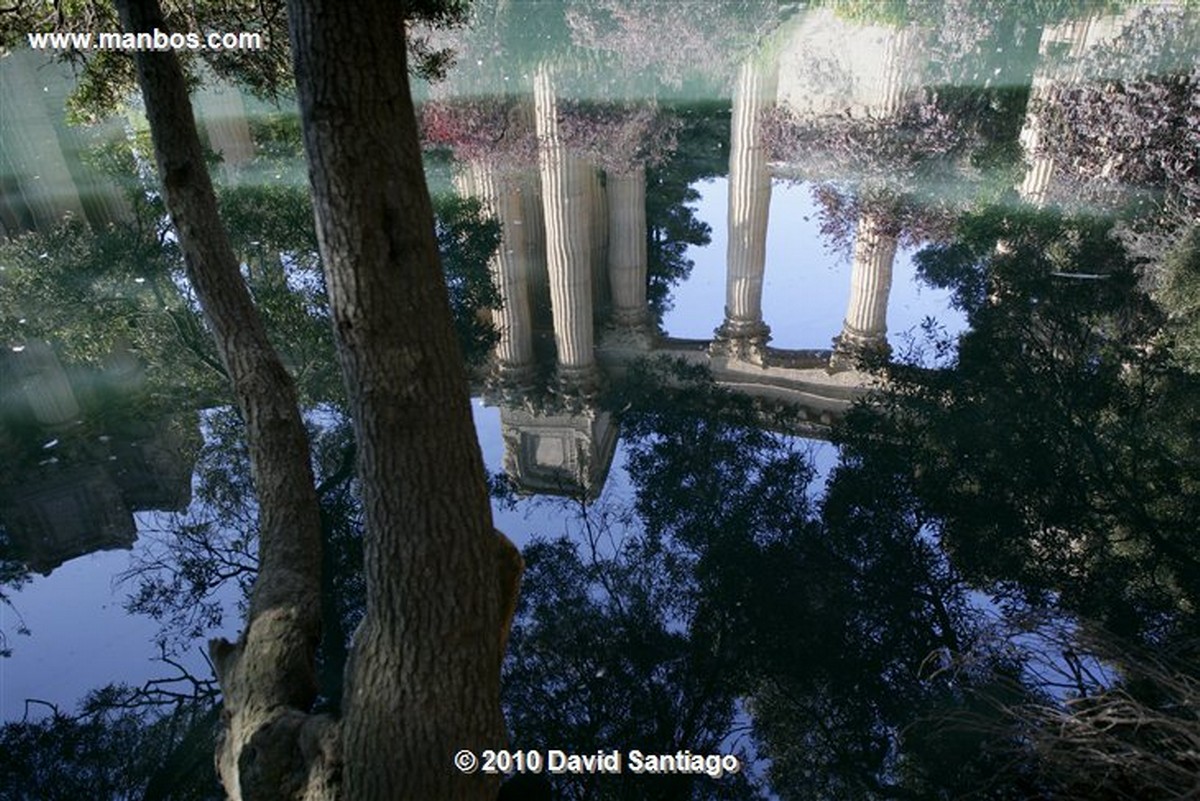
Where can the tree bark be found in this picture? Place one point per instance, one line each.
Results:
(271, 747)
(423, 679)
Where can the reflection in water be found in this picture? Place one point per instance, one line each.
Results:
(46, 167)
(715, 598)
(743, 334)
(71, 480)
(557, 451)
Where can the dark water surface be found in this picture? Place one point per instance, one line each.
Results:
(835, 367)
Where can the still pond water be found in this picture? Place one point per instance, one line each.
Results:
(835, 368)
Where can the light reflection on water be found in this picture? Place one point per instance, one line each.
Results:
(839, 123)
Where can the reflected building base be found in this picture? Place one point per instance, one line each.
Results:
(512, 379)
(630, 332)
(742, 340)
(852, 347)
(558, 451)
(577, 384)
(65, 514)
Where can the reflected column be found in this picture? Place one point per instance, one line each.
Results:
(100, 193)
(743, 335)
(46, 386)
(1074, 37)
(34, 173)
(219, 106)
(864, 330)
(509, 267)
(533, 220)
(566, 202)
(599, 218)
(627, 262)
(898, 71)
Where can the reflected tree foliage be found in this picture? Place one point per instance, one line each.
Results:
(97, 295)
(185, 581)
(862, 633)
(734, 597)
(112, 751)
(14, 574)
(1052, 457)
(1177, 290)
(709, 42)
(611, 649)
(143, 348)
(946, 140)
(106, 77)
(203, 562)
(844, 614)
(672, 227)
(114, 309)
(466, 240)
(1129, 135)
(1054, 453)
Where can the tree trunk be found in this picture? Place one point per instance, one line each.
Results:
(271, 747)
(423, 679)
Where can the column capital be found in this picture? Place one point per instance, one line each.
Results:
(509, 376)
(577, 383)
(854, 345)
(742, 340)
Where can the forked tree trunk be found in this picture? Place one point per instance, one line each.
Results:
(271, 748)
(423, 679)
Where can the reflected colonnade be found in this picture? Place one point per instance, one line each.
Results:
(572, 266)
(822, 68)
(589, 249)
(1060, 52)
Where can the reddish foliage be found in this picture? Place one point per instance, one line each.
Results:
(492, 127)
(1134, 136)
(913, 221)
(616, 137)
(892, 149)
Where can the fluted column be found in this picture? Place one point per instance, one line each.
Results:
(122, 369)
(221, 109)
(39, 180)
(743, 334)
(47, 389)
(509, 267)
(100, 193)
(890, 86)
(566, 196)
(865, 327)
(599, 218)
(534, 222)
(1073, 37)
(627, 263)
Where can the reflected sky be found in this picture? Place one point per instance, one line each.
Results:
(804, 290)
(774, 218)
